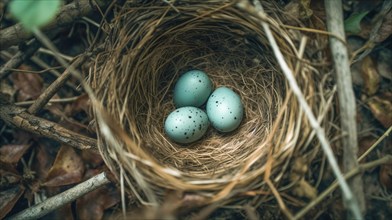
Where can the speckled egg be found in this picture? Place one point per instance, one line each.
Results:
(187, 124)
(192, 89)
(225, 109)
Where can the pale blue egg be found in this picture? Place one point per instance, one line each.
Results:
(225, 109)
(187, 124)
(192, 89)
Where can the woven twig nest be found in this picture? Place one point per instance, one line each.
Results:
(150, 46)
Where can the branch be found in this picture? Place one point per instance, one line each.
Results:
(19, 58)
(334, 185)
(19, 118)
(346, 102)
(63, 198)
(44, 98)
(69, 13)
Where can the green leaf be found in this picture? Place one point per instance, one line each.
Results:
(353, 23)
(34, 13)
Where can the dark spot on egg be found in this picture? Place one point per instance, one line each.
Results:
(216, 102)
(199, 80)
(189, 116)
(185, 133)
(176, 126)
(177, 111)
(235, 118)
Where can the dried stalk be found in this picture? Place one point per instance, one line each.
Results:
(301, 99)
(55, 202)
(346, 104)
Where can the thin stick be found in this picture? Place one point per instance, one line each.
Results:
(346, 104)
(67, 15)
(386, 134)
(19, 118)
(43, 65)
(334, 185)
(44, 98)
(63, 198)
(63, 100)
(301, 99)
(18, 59)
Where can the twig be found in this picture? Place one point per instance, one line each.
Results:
(371, 42)
(18, 59)
(49, 52)
(19, 118)
(43, 99)
(43, 65)
(69, 13)
(346, 104)
(63, 198)
(63, 100)
(302, 101)
(386, 134)
(334, 185)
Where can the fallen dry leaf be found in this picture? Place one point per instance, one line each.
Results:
(364, 144)
(8, 198)
(63, 213)
(385, 175)
(44, 159)
(381, 109)
(305, 190)
(12, 153)
(82, 104)
(29, 85)
(68, 168)
(8, 177)
(370, 76)
(384, 64)
(91, 158)
(92, 205)
(386, 28)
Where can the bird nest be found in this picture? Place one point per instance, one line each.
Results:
(150, 45)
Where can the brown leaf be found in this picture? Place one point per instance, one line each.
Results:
(8, 178)
(386, 28)
(68, 168)
(43, 160)
(82, 104)
(92, 158)
(370, 76)
(384, 64)
(364, 144)
(304, 189)
(385, 175)
(29, 85)
(63, 213)
(8, 198)
(12, 153)
(382, 110)
(93, 204)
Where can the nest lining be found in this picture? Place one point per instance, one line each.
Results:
(150, 47)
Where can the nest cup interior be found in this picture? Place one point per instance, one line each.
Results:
(150, 47)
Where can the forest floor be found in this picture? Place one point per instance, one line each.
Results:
(35, 165)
